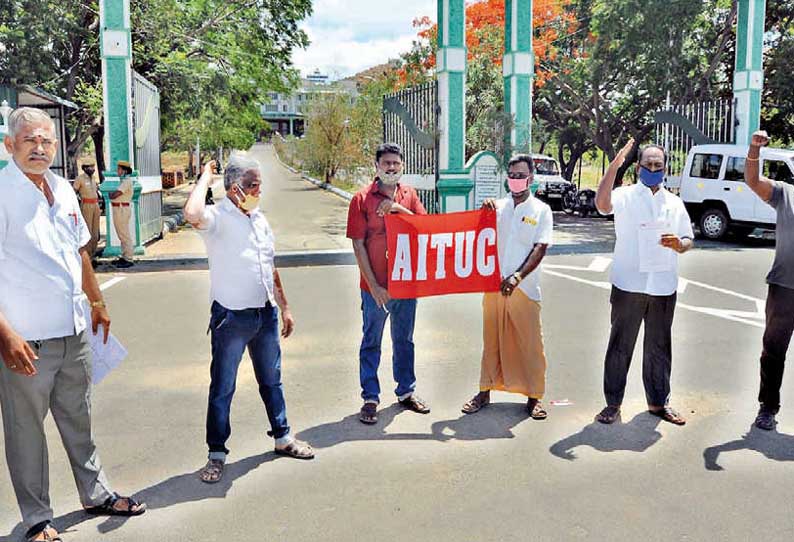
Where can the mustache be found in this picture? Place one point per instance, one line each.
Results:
(38, 155)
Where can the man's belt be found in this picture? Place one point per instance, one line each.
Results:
(86, 200)
(120, 204)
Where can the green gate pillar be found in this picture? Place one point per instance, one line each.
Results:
(518, 69)
(454, 185)
(748, 79)
(116, 48)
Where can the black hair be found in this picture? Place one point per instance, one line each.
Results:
(651, 146)
(518, 158)
(127, 169)
(388, 148)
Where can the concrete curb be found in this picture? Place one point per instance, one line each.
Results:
(320, 184)
(308, 258)
(334, 190)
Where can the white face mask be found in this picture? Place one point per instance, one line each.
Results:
(246, 202)
(389, 179)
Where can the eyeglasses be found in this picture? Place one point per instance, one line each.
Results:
(517, 175)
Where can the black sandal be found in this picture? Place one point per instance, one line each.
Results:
(608, 415)
(369, 414)
(134, 508)
(42, 528)
(536, 410)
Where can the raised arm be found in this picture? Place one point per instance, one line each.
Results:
(752, 167)
(194, 208)
(604, 193)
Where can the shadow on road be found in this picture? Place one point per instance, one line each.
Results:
(635, 436)
(494, 423)
(180, 489)
(774, 445)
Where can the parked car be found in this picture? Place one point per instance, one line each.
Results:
(716, 196)
(551, 185)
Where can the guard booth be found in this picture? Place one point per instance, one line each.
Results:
(12, 97)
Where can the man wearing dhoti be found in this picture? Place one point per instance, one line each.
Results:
(513, 359)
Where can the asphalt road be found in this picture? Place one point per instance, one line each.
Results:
(496, 475)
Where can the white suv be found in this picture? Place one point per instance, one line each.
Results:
(716, 196)
(551, 185)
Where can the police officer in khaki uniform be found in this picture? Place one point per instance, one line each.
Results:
(121, 205)
(87, 186)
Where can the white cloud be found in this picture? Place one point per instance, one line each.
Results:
(348, 36)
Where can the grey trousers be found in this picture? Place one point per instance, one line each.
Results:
(63, 387)
(629, 311)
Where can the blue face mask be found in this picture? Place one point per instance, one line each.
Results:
(651, 178)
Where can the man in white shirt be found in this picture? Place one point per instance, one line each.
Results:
(245, 289)
(45, 276)
(513, 358)
(652, 228)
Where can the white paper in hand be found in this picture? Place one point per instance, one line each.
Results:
(106, 357)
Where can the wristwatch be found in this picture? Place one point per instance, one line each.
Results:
(517, 276)
(98, 304)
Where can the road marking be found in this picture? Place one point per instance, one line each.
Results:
(598, 265)
(726, 314)
(112, 282)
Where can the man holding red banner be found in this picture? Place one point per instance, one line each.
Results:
(366, 227)
(513, 358)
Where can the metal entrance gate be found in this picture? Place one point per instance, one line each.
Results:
(681, 127)
(146, 137)
(410, 118)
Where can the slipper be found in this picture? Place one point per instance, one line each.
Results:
(369, 414)
(133, 508)
(43, 530)
(608, 415)
(669, 414)
(412, 402)
(297, 449)
(536, 410)
(476, 403)
(212, 472)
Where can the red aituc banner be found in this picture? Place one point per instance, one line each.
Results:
(442, 254)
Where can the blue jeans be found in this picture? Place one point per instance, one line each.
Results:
(402, 315)
(233, 331)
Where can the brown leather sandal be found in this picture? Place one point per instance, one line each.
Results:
(476, 403)
(212, 472)
(369, 414)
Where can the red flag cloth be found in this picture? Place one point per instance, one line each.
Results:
(442, 254)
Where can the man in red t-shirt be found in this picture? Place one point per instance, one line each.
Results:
(366, 227)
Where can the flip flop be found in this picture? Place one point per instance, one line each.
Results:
(669, 414)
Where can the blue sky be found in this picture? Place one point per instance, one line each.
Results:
(351, 35)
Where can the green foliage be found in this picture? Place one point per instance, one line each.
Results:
(213, 60)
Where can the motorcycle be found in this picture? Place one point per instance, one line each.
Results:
(579, 201)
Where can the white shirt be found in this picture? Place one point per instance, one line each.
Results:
(41, 273)
(518, 230)
(637, 211)
(241, 250)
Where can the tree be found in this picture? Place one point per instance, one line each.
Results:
(213, 61)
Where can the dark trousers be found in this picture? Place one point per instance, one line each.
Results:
(232, 332)
(629, 311)
(777, 336)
